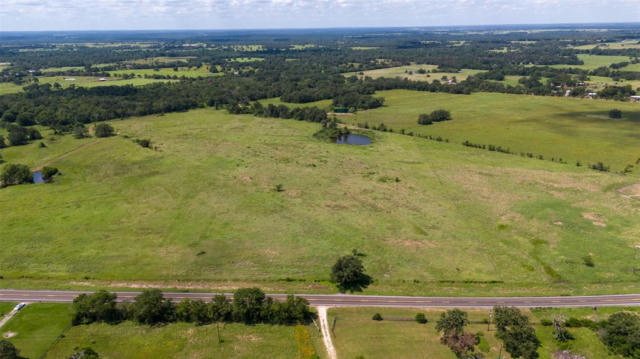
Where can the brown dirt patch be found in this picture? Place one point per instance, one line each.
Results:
(632, 191)
(558, 223)
(565, 354)
(409, 243)
(596, 219)
(249, 338)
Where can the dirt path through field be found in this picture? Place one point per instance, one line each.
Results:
(326, 333)
(64, 155)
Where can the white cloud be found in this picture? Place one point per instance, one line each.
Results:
(185, 14)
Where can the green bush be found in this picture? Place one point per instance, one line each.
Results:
(104, 130)
(377, 317)
(588, 261)
(421, 318)
(615, 113)
(546, 322)
(48, 173)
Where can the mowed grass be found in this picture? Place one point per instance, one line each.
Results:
(410, 72)
(37, 326)
(399, 337)
(556, 127)
(5, 308)
(202, 212)
(592, 62)
(180, 340)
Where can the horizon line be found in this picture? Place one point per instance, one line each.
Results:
(459, 26)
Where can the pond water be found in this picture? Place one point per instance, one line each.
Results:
(352, 139)
(37, 177)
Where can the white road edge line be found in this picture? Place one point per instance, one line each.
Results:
(326, 333)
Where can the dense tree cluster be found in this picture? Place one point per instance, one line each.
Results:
(249, 305)
(621, 333)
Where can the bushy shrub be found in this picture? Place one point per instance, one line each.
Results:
(103, 130)
(15, 174)
(421, 318)
(615, 113)
(48, 173)
(377, 317)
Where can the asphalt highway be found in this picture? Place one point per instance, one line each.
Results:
(346, 300)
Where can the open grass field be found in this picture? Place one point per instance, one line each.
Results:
(567, 128)
(399, 337)
(169, 71)
(592, 62)
(246, 59)
(201, 213)
(409, 72)
(620, 45)
(9, 87)
(181, 340)
(37, 326)
(88, 81)
(632, 67)
(323, 104)
(79, 81)
(599, 82)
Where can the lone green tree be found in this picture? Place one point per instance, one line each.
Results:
(348, 274)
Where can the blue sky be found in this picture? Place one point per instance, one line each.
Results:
(19, 15)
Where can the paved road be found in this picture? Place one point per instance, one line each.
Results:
(344, 300)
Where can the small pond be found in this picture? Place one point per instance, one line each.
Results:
(37, 177)
(352, 139)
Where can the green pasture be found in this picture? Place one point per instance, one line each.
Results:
(410, 72)
(89, 81)
(181, 340)
(323, 104)
(35, 328)
(168, 71)
(592, 62)
(397, 336)
(246, 59)
(9, 87)
(201, 212)
(556, 127)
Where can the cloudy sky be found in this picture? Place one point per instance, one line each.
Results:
(17, 15)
